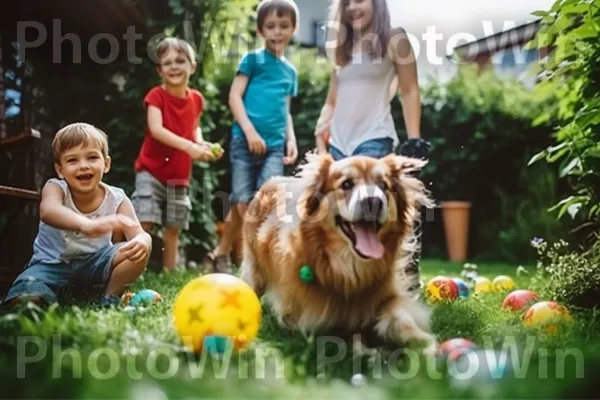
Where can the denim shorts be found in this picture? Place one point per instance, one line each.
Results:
(52, 281)
(251, 171)
(377, 148)
(165, 205)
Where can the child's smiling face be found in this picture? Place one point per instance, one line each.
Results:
(175, 68)
(358, 13)
(277, 30)
(83, 167)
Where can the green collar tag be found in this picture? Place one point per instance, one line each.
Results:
(306, 274)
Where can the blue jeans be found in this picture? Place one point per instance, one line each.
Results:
(377, 148)
(251, 171)
(52, 280)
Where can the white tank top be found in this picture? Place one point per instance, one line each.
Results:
(362, 106)
(54, 245)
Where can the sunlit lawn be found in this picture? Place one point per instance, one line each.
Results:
(81, 352)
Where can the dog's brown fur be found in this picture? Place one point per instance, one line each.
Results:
(349, 293)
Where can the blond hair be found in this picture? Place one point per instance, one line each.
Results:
(179, 45)
(77, 134)
(342, 34)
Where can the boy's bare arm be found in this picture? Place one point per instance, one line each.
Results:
(199, 137)
(135, 228)
(139, 242)
(238, 87)
(162, 134)
(236, 103)
(291, 145)
(55, 214)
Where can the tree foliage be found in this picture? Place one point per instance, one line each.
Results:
(572, 78)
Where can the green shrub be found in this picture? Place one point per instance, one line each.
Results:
(568, 275)
(572, 80)
(480, 127)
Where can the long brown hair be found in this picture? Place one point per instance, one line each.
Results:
(341, 33)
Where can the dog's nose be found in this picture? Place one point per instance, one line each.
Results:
(371, 207)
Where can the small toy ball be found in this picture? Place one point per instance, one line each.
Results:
(216, 149)
(482, 285)
(503, 283)
(519, 299)
(145, 297)
(215, 312)
(126, 297)
(453, 348)
(441, 288)
(463, 288)
(547, 315)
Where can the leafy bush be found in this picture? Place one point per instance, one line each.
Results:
(572, 78)
(568, 275)
(480, 127)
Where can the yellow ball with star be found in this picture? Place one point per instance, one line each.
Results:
(214, 311)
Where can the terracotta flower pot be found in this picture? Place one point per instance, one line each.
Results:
(456, 227)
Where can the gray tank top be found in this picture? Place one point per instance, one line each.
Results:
(362, 108)
(55, 245)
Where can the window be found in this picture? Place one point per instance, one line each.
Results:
(516, 62)
(12, 90)
(320, 35)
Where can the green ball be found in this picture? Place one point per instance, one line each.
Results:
(306, 274)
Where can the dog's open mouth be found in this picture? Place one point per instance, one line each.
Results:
(363, 235)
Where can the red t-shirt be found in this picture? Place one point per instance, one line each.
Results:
(180, 116)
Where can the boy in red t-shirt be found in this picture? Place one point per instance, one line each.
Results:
(173, 139)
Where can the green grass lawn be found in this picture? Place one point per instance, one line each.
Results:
(81, 352)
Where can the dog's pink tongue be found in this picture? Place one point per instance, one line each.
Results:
(367, 242)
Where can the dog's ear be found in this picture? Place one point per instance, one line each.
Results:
(409, 192)
(317, 186)
(400, 165)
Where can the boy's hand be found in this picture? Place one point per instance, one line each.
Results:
(216, 150)
(256, 144)
(292, 153)
(201, 152)
(136, 250)
(107, 224)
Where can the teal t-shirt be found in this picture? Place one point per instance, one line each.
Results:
(270, 81)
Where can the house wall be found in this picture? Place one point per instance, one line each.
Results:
(311, 12)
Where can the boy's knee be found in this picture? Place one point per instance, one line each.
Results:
(22, 300)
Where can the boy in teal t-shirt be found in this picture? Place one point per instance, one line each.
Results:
(263, 138)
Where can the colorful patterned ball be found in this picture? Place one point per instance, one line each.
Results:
(482, 285)
(453, 348)
(519, 299)
(441, 288)
(548, 315)
(503, 283)
(145, 297)
(463, 288)
(217, 310)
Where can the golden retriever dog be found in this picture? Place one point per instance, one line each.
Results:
(348, 225)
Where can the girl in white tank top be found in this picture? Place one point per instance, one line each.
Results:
(371, 62)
